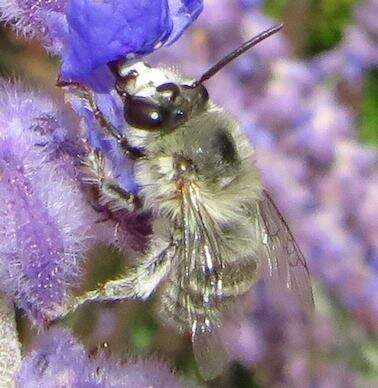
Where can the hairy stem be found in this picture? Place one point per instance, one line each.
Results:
(10, 348)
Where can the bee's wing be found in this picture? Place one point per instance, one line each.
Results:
(209, 352)
(201, 283)
(285, 264)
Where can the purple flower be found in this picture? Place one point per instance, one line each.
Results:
(327, 124)
(28, 17)
(365, 15)
(88, 34)
(367, 215)
(357, 52)
(104, 31)
(286, 348)
(360, 53)
(59, 361)
(337, 259)
(45, 220)
(183, 13)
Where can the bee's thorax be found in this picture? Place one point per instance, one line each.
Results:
(208, 151)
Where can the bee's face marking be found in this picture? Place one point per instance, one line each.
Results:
(127, 82)
(132, 75)
(157, 100)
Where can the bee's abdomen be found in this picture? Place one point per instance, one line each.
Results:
(203, 295)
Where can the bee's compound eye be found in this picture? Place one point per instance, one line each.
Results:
(155, 119)
(144, 114)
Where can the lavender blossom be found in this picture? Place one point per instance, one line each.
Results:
(357, 52)
(88, 34)
(341, 266)
(289, 350)
(327, 123)
(45, 218)
(28, 17)
(59, 361)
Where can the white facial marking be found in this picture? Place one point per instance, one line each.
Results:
(148, 78)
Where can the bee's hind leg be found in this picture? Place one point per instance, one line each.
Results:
(140, 282)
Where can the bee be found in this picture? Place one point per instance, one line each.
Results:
(215, 229)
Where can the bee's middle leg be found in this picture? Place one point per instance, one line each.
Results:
(111, 194)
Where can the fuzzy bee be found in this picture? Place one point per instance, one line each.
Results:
(215, 229)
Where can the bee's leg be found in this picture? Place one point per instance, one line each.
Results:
(111, 194)
(108, 127)
(87, 95)
(139, 283)
(130, 151)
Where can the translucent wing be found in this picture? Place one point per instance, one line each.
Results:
(204, 282)
(201, 283)
(209, 352)
(285, 264)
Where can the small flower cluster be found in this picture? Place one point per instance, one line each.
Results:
(60, 361)
(357, 53)
(289, 350)
(45, 218)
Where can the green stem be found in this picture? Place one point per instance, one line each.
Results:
(10, 347)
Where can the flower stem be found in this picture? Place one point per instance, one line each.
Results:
(10, 347)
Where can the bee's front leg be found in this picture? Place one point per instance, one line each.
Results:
(87, 95)
(108, 128)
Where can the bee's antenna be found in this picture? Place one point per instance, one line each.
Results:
(242, 49)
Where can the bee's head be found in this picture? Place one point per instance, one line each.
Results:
(157, 99)
(160, 100)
